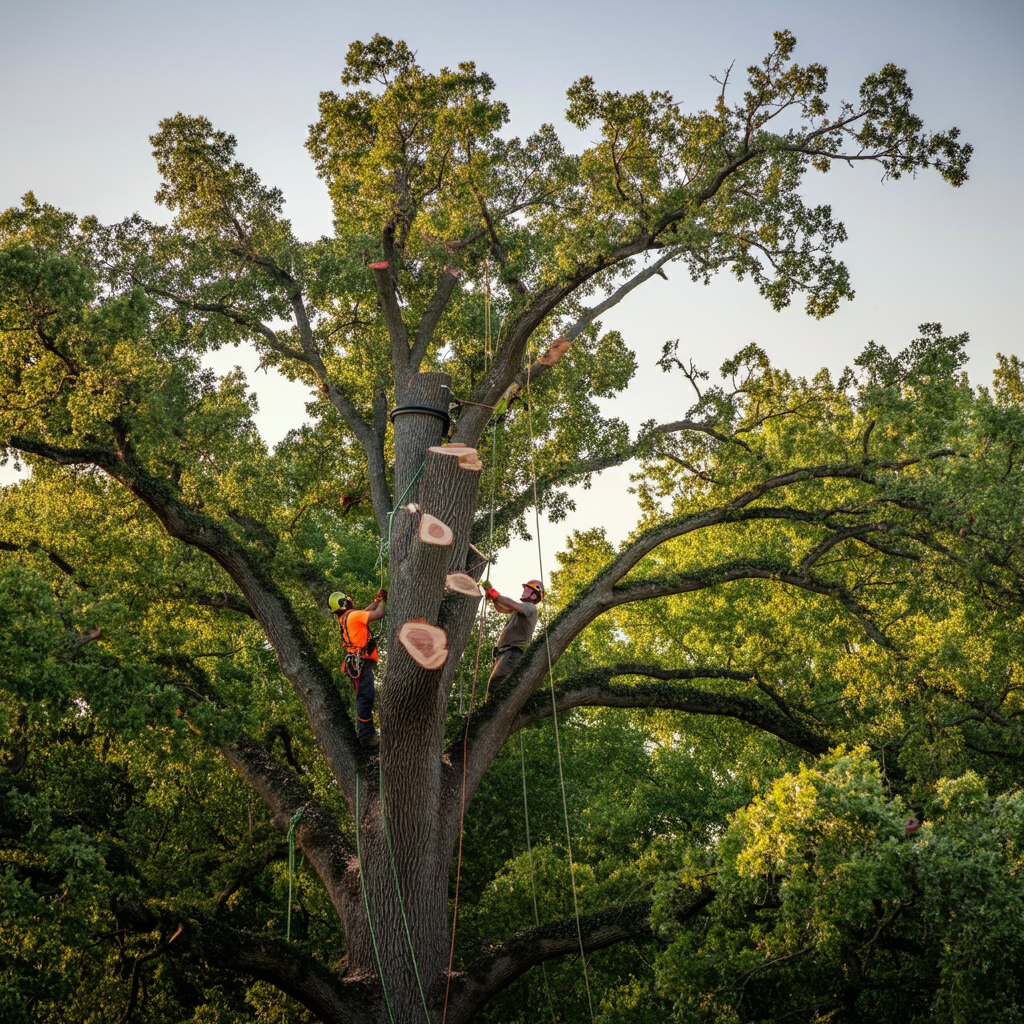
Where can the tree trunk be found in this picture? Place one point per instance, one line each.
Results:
(405, 870)
(406, 842)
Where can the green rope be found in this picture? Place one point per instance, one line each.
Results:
(401, 902)
(291, 865)
(529, 856)
(526, 815)
(366, 904)
(551, 677)
(494, 482)
(385, 546)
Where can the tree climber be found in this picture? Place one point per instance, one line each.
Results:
(518, 630)
(360, 656)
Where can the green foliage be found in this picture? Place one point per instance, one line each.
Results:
(886, 615)
(826, 906)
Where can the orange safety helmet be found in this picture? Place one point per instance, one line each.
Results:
(537, 586)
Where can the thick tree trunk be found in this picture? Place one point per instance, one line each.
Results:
(407, 815)
(403, 941)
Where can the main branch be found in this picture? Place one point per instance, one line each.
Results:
(282, 964)
(271, 608)
(502, 964)
(594, 689)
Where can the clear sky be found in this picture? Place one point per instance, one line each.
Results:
(84, 83)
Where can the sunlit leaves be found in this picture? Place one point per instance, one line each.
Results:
(830, 896)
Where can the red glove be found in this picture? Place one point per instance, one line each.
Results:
(382, 595)
(493, 594)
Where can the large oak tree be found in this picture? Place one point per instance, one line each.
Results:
(440, 222)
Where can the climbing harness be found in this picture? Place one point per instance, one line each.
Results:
(354, 659)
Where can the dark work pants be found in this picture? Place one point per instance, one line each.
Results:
(364, 701)
(503, 666)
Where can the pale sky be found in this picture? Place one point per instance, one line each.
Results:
(85, 83)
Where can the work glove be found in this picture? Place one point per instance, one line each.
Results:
(382, 595)
(492, 593)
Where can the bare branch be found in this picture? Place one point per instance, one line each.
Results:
(618, 295)
(837, 538)
(538, 368)
(387, 293)
(521, 325)
(431, 318)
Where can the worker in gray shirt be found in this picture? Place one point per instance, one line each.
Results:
(518, 630)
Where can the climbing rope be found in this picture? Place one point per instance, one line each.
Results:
(385, 543)
(487, 313)
(479, 644)
(366, 904)
(561, 777)
(291, 866)
(522, 754)
(398, 888)
(490, 536)
(462, 812)
(529, 858)
(487, 560)
(551, 676)
(385, 546)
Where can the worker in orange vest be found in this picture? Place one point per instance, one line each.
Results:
(360, 656)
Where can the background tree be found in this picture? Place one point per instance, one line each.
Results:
(200, 553)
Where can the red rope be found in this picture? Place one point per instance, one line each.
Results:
(479, 405)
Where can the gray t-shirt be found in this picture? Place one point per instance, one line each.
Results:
(519, 629)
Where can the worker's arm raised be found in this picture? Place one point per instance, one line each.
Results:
(375, 610)
(506, 605)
